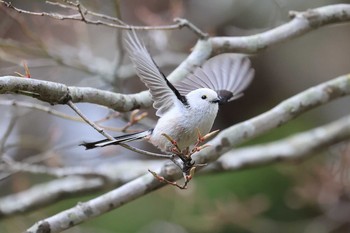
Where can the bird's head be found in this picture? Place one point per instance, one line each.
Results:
(203, 97)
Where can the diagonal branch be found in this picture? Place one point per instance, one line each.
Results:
(301, 23)
(291, 148)
(224, 142)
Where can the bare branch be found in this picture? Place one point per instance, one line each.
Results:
(143, 152)
(301, 23)
(92, 124)
(95, 207)
(56, 93)
(101, 131)
(14, 166)
(51, 111)
(82, 12)
(7, 133)
(39, 107)
(292, 148)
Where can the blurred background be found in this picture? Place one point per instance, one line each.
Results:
(311, 196)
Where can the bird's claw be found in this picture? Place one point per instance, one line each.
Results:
(188, 166)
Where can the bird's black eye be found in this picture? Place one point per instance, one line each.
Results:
(204, 97)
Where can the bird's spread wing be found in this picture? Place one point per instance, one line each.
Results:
(164, 94)
(228, 74)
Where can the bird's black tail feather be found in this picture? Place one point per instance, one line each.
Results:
(119, 139)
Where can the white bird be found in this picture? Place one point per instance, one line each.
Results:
(190, 106)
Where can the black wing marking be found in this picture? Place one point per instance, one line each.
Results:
(164, 94)
(180, 97)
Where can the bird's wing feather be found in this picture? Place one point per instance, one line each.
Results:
(164, 94)
(229, 72)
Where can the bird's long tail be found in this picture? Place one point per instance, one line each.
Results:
(119, 139)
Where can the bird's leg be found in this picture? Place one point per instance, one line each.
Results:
(175, 148)
(188, 167)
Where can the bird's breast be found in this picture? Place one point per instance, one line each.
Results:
(182, 127)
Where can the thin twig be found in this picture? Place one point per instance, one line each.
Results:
(92, 124)
(39, 107)
(83, 12)
(73, 6)
(186, 23)
(13, 166)
(40, 157)
(101, 131)
(62, 115)
(81, 17)
(7, 133)
(143, 152)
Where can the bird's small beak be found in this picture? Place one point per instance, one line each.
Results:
(224, 96)
(215, 101)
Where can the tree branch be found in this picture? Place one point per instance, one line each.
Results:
(82, 14)
(57, 93)
(301, 23)
(292, 148)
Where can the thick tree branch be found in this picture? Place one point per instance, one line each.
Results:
(224, 142)
(292, 148)
(57, 93)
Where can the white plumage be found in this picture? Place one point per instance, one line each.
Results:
(190, 105)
